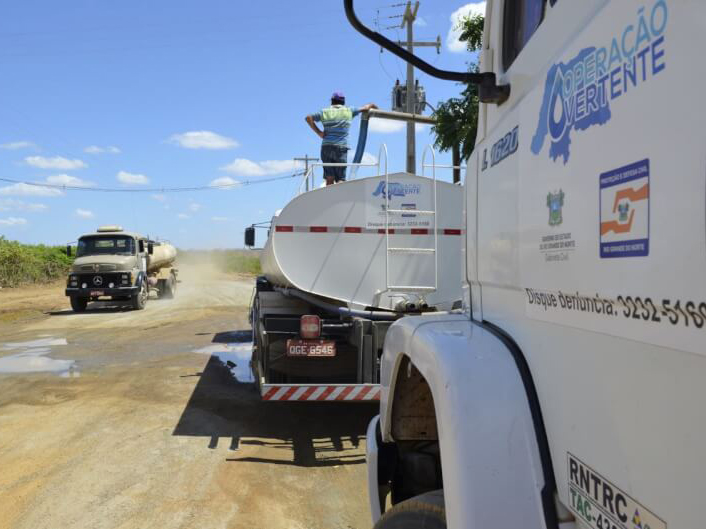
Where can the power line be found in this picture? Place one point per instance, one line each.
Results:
(153, 189)
(383, 67)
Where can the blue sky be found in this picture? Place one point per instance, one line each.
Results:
(136, 94)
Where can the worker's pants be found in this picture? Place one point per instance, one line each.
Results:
(334, 154)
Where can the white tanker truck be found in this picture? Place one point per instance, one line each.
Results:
(341, 263)
(568, 392)
(118, 265)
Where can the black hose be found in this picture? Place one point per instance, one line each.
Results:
(375, 315)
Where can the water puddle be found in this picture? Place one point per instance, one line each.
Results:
(236, 356)
(32, 357)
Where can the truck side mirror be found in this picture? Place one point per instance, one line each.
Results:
(68, 250)
(250, 236)
(141, 246)
(150, 248)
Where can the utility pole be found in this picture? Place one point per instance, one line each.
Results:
(306, 161)
(408, 18)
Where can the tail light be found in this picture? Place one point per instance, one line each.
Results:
(310, 326)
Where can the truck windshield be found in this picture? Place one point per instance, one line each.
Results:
(112, 245)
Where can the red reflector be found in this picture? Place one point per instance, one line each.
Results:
(310, 326)
(284, 228)
(318, 229)
(420, 231)
(450, 231)
(352, 229)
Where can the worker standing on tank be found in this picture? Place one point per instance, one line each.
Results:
(337, 122)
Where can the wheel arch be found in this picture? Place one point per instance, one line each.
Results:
(484, 406)
(413, 416)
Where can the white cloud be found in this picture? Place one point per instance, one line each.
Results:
(219, 219)
(224, 181)
(84, 213)
(183, 216)
(194, 207)
(452, 42)
(57, 162)
(203, 139)
(385, 126)
(132, 178)
(67, 180)
(369, 158)
(22, 189)
(11, 204)
(95, 149)
(421, 127)
(14, 145)
(245, 167)
(160, 198)
(419, 21)
(13, 221)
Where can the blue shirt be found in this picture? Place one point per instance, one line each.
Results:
(337, 122)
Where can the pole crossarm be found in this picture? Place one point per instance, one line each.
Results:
(401, 116)
(434, 44)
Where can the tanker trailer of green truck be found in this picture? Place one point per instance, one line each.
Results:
(113, 264)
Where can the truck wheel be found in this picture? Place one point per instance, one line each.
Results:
(78, 304)
(169, 288)
(425, 511)
(161, 288)
(139, 300)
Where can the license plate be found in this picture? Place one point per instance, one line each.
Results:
(297, 347)
(96, 293)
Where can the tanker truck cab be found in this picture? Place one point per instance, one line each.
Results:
(113, 264)
(569, 390)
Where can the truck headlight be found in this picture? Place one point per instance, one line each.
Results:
(126, 279)
(73, 281)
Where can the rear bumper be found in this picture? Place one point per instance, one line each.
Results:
(321, 392)
(107, 292)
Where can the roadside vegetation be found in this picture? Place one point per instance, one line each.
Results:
(23, 264)
(457, 118)
(229, 261)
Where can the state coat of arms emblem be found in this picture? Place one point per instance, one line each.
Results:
(555, 202)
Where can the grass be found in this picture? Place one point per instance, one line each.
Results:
(230, 261)
(240, 261)
(22, 264)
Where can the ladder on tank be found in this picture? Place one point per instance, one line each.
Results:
(391, 250)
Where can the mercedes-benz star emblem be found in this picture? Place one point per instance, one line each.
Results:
(98, 281)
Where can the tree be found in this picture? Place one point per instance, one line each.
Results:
(457, 118)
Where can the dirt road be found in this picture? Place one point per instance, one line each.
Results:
(122, 419)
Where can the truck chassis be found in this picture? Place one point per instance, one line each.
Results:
(353, 374)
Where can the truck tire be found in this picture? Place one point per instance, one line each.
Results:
(256, 352)
(170, 287)
(78, 304)
(425, 511)
(139, 300)
(161, 288)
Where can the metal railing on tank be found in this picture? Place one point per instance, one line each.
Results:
(433, 165)
(308, 182)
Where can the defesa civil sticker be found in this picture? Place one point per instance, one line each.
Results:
(601, 505)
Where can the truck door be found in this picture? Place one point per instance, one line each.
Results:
(591, 242)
